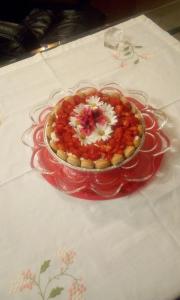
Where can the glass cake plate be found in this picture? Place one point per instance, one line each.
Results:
(95, 184)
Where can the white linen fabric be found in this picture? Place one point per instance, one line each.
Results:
(128, 248)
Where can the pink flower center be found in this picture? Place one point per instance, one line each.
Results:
(89, 118)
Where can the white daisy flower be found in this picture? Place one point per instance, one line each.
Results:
(104, 132)
(113, 120)
(78, 109)
(100, 133)
(94, 101)
(73, 121)
(99, 127)
(93, 138)
(109, 113)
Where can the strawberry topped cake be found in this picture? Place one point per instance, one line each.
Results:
(94, 129)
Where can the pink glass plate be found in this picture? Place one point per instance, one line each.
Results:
(107, 184)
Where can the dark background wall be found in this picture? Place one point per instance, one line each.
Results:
(15, 10)
(124, 8)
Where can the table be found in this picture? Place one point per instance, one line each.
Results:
(57, 246)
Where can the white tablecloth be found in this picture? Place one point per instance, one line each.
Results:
(127, 248)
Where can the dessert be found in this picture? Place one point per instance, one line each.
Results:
(94, 129)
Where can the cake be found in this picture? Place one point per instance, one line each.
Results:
(94, 129)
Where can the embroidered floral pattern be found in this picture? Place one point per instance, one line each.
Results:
(124, 50)
(28, 280)
(128, 52)
(24, 281)
(77, 290)
(67, 257)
